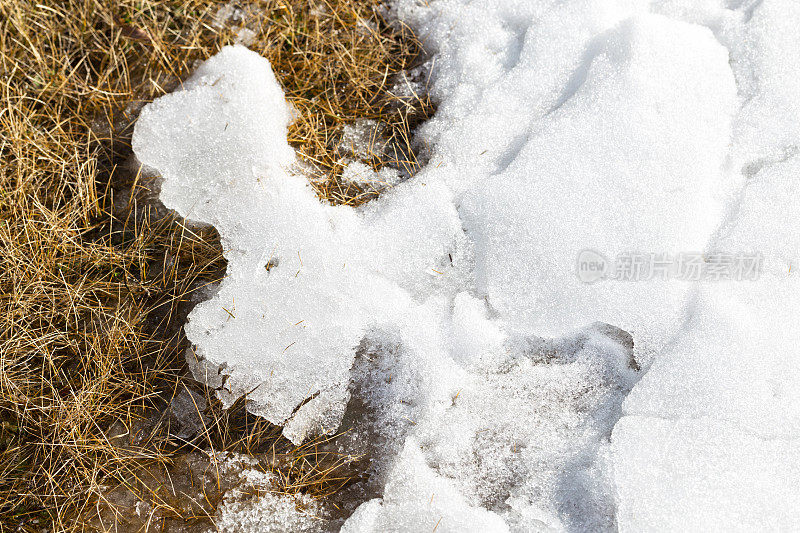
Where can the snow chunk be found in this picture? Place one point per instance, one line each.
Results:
(767, 54)
(719, 409)
(304, 280)
(731, 365)
(364, 176)
(723, 442)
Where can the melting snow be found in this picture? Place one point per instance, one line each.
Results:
(444, 321)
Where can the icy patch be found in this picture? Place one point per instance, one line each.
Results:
(363, 141)
(516, 426)
(416, 498)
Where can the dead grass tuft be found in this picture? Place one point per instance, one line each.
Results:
(95, 279)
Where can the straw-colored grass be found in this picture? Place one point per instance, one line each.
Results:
(94, 279)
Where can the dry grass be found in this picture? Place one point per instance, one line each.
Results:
(94, 280)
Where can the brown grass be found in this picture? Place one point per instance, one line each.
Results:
(95, 279)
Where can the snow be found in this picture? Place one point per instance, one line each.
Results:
(712, 433)
(416, 498)
(285, 334)
(256, 505)
(703, 475)
(361, 141)
(444, 323)
(712, 436)
(642, 134)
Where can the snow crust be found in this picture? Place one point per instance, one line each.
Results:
(444, 322)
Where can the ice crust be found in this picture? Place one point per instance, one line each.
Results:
(444, 322)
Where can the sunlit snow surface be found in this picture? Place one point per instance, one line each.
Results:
(494, 391)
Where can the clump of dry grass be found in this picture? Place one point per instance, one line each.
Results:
(94, 280)
(337, 62)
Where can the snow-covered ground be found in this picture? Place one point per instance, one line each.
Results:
(495, 388)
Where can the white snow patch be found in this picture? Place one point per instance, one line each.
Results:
(286, 334)
(712, 435)
(703, 475)
(490, 386)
